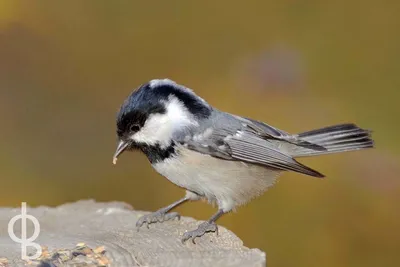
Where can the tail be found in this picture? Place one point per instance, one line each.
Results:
(337, 138)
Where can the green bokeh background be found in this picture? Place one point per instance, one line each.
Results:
(66, 66)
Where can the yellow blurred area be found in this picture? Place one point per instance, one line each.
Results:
(8, 12)
(66, 66)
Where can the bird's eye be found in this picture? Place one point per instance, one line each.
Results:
(134, 128)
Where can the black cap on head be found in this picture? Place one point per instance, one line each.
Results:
(150, 98)
(154, 97)
(136, 109)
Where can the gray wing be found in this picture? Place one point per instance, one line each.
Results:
(266, 131)
(231, 137)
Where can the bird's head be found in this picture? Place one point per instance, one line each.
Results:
(155, 112)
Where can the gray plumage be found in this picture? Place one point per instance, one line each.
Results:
(224, 158)
(236, 138)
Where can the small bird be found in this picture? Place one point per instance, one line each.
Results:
(223, 158)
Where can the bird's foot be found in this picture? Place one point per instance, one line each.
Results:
(159, 216)
(203, 228)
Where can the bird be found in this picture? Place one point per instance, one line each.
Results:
(222, 158)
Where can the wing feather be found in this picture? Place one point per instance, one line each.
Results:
(237, 138)
(250, 148)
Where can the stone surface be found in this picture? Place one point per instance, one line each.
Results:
(112, 225)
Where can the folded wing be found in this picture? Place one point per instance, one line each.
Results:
(236, 138)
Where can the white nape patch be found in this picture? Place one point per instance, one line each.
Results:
(161, 82)
(159, 128)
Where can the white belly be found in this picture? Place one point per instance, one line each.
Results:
(228, 183)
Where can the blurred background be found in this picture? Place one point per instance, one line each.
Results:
(66, 66)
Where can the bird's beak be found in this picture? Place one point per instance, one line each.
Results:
(122, 145)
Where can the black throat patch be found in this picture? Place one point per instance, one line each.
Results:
(156, 153)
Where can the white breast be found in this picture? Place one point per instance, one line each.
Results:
(228, 183)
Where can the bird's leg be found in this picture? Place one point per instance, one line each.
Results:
(205, 227)
(161, 215)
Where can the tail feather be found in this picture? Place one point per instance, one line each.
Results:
(335, 139)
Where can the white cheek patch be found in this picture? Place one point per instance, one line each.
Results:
(159, 128)
(155, 130)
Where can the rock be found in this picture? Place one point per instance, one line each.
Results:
(89, 233)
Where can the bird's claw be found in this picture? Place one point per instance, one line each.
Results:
(158, 216)
(203, 228)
